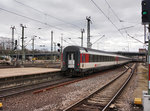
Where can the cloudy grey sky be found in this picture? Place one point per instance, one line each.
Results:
(67, 17)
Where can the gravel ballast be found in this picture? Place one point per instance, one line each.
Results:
(58, 98)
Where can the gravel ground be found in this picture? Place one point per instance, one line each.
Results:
(97, 101)
(59, 98)
(125, 101)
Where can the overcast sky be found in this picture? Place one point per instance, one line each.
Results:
(67, 17)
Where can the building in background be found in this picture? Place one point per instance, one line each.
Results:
(143, 58)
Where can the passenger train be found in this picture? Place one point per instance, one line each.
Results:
(80, 60)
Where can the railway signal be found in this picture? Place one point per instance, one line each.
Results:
(146, 12)
(15, 45)
(58, 44)
(146, 21)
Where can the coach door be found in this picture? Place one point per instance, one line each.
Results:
(71, 60)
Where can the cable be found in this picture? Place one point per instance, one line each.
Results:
(113, 11)
(134, 38)
(98, 39)
(122, 25)
(34, 20)
(46, 14)
(106, 17)
(66, 41)
(29, 18)
(73, 42)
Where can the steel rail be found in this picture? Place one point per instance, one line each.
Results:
(22, 79)
(21, 89)
(89, 96)
(38, 86)
(120, 90)
(66, 83)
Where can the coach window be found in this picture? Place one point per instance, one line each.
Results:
(73, 56)
(110, 58)
(83, 58)
(91, 58)
(69, 56)
(102, 59)
(98, 58)
(95, 58)
(107, 58)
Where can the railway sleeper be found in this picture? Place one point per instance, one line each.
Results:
(87, 108)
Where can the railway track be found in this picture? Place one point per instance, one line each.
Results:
(5, 92)
(17, 81)
(101, 99)
(39, 86)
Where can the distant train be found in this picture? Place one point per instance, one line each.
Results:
(80, 60)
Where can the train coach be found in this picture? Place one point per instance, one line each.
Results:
(80, 60)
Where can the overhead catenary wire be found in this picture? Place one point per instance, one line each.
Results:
(107, 17)
(113, 11)
(66, 41)
(122, 21)
(29, 18)
(98, 39)
(35, 20)
(47, 14)
(134, 38)
(73, 42)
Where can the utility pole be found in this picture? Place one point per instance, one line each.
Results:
(82, 31)
(54, 51)
(33, 39)
(3, 45)
(149, 60)
(146, 21)
(54, 46)
(144, 33)
(61, 43)
(61, 52)
(23, 52)
(51, 41)
(13, 28)
(88, 31)
(51, 45)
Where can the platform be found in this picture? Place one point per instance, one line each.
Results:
(13, 72)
